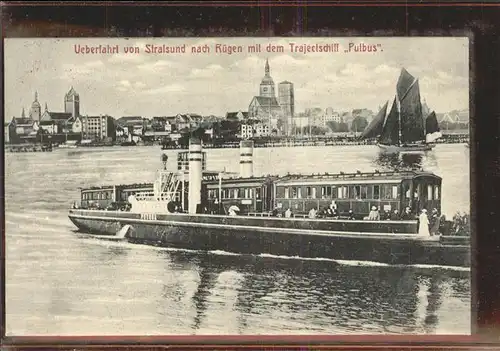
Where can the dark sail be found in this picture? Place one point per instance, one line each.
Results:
(431, 124)
(412, 122)
(432, 128)
(404, 83)
(374, 129)
(390, 132)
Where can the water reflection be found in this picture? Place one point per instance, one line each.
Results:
(317, 296)
(399, 161)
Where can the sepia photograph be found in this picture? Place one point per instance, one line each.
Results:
(237, 186)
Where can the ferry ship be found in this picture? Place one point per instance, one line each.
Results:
(309, 216)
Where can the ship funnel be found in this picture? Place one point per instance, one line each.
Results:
(195, 174)
(246, 158)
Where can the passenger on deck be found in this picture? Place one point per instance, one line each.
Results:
(232, 212)
(395, 215)
(374, 214)
(406, 215)
(288, 213)
(333, 210)
(351, 215)
(435, 222)
(423, 224)
(386, 216)
(312, 213)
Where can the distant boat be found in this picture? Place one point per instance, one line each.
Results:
(404, 128)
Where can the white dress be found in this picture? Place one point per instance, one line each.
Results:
(423, 227)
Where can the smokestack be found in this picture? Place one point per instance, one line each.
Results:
(195, 174)
(246, 158)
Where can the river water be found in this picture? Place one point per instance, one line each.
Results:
(62, 283)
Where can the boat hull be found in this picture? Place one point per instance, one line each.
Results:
(391, 242)
(419, 148)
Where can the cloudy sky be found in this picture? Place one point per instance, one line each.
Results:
(166, 84)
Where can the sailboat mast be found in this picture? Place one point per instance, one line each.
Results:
(398, 105)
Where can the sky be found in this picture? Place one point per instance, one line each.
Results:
(158, 84)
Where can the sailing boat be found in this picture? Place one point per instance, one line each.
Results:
(404, 129)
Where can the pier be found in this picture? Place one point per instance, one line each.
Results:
(28, 148)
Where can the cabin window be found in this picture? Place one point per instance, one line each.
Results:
(364, 192)
(235, 193)
(406, 190)
(257, 193)
(247, 193)
(386, 192)
(395, 193)
(311, 192)
(342, 192)
(376, 192)
(287, 193)
(299, 193)
(294, 192)
(356, 191)
(436, 192)
(429, 192)
(326, 191)
(416, 194)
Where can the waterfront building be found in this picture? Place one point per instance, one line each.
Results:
(238, 116)
(331, 116)
(72, 103)
(262, 130)
(98, 128)
(129, 121)
(21, 128)
(55, 122)
(246, 131)
(455, 116)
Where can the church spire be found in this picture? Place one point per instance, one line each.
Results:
(267, 67)
(36, 95)
(46, 108)
(23, 114)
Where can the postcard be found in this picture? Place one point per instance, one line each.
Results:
(194, 186)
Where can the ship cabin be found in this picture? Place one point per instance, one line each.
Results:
(359, 192)
(251, 195)
(110, 196)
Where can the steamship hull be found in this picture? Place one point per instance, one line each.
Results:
(391, 242)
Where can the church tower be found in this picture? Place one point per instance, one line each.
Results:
(72, 103)
(35, 111)
(267, 83)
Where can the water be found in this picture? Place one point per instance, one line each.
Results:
(62, 283)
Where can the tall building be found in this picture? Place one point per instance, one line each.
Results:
(36, 109)
(72, 103)
(267, 83)
(98, 127)
(286, 99)
(265, 107)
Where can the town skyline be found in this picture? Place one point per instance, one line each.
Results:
(156, 85)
